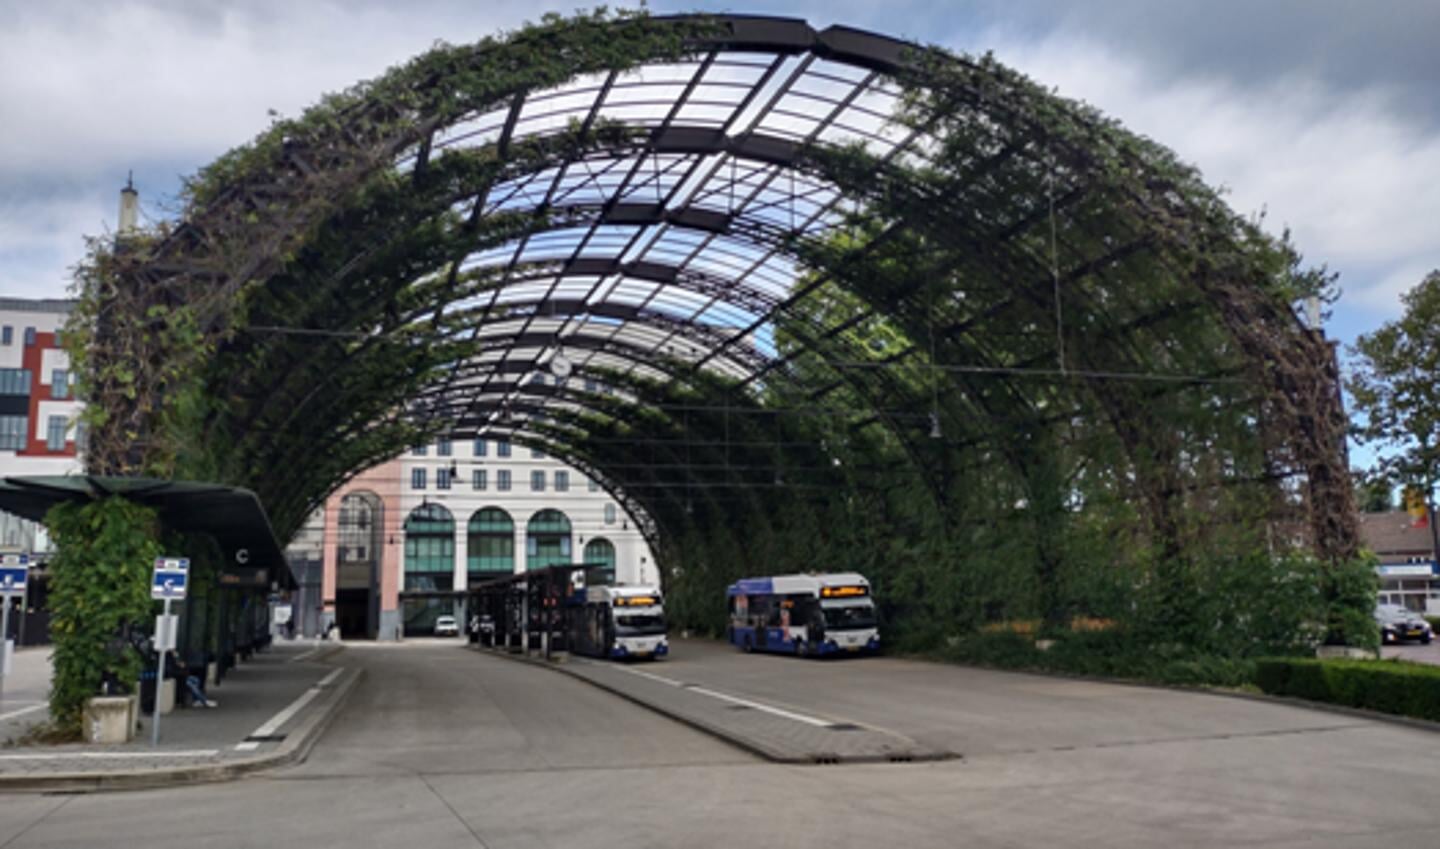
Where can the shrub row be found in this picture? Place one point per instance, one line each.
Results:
(1389, 686)
(1101, 654)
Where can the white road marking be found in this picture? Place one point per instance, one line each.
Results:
(22, 711)
(299, 657)
(184, 753)
(273, 724)
(798, 717)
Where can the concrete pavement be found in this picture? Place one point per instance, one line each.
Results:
(441, 746)
(271, 709)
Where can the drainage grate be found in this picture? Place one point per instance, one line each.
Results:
(737, 707)
(844, 726)
(265, 738)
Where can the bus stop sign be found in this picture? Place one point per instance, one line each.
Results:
(14, 568)
(170, 578)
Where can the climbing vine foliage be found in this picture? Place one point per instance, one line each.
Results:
(1160, 461)
(99, 594)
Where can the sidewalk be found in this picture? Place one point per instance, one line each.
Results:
(271, 709)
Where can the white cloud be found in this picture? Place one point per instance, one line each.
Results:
(1347, 174)
(88, 91)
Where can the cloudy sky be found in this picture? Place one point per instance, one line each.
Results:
(1320, 113)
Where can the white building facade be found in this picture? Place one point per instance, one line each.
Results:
(401, 543)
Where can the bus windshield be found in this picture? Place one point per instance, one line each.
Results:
(639, 624)
(842, 617)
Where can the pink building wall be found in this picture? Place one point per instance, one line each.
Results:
(384, 481)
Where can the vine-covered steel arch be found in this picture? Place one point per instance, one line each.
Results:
(774, 287)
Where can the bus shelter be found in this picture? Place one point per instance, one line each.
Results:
(535, 610)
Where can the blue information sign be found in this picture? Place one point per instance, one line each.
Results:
(14, 568)
(168, 584)
(12, 578)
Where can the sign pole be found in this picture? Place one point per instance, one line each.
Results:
(159, 678)
(167, 583)
(14, 571)
(5, 636)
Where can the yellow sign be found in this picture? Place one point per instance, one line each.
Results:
(843, 592)
(636, 601)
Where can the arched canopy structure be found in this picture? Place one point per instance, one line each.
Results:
(774, 287)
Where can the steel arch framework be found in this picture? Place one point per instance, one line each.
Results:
(716, 220)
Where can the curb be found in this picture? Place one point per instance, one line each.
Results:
(295, 749)
(724, 735)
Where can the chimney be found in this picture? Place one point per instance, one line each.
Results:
(129, 207)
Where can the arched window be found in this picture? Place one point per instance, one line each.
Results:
(491, 545)
(429, 548)
(547, 539)
(600, 552)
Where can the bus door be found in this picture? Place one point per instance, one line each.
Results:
(762, 608)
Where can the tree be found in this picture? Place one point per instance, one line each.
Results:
(1373, 493)
(1396, 387)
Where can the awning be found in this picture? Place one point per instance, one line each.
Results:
(233, 516)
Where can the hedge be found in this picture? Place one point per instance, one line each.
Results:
(1389, 686)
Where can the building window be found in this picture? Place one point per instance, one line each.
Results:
(12, 432)
(600, 552)
(417, 478)
(479, 448)
(429, 543)
(594, 485)
(444, 447)
(15, 381)
(609, 514)
(502, 480)
(59, 384)
(537, 454)
(502, 448)
(7, 335)
(29, 336)
(491, 543)
(55, 433)
(537, 481)
(547, 539)
(478, 479)
(562, 481)
(82, 436)
(442, 478)
(420, 450)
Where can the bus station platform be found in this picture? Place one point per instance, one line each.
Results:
(766, 727)
(271, 709)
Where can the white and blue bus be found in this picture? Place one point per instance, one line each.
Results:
(624, 623)
(811, 615)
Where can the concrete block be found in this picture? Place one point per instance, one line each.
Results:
(1350, 652)
(167, 696)
(110, 719)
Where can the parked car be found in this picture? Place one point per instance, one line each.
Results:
(446, 626)
(1398, 624)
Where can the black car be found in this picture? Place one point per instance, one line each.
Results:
(1398, 624)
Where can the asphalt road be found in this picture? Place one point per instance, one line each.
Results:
(441, 746)
(1415, 652)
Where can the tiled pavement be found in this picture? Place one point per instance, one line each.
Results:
(201, 742)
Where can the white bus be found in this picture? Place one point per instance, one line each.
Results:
(804, 614)
(621, 623)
